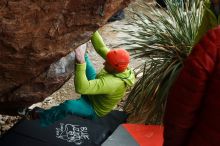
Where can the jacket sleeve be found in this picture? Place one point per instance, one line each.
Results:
(85, 86)
(99, 45)
(187, 93)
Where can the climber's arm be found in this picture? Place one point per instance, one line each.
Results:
(99, 45)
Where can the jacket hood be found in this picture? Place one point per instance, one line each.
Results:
(127, 76)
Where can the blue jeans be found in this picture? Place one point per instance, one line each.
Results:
(80, 107)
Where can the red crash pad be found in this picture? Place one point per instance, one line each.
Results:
(146, 135)
(136, 135)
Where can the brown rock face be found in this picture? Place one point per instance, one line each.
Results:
(35, 35)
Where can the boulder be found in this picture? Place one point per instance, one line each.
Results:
(37, 38)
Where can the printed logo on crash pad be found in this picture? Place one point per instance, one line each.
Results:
(72, 133)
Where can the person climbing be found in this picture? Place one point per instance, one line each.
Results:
(99, 93)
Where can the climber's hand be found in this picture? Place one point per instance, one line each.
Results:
(80, 54)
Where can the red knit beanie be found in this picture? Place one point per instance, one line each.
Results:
(118, 59)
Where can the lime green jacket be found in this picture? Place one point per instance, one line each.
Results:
(107, 89)
(209, 21)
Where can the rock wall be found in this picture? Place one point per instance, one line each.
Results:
(35, 35)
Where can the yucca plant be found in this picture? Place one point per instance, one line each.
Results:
(163, 38)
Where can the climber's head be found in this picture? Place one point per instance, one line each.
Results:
(117, 61)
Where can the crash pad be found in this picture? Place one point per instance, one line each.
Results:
(136, 135)
(70, 131)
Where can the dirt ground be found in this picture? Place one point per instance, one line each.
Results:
(67, 91)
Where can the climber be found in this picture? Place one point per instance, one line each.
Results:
(99, 93)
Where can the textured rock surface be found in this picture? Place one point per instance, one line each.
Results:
(37, 33)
